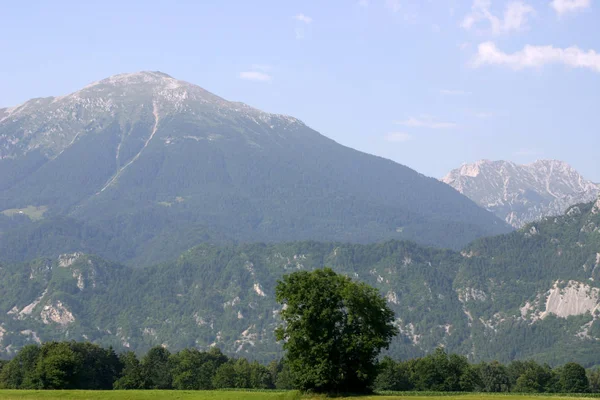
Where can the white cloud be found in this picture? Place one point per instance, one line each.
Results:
(426, 122)
(454, 92)
(303, 18)
(536, 56)
(255, 76)
(515, 16)
(398, 137)
(565, 6)
(363, 3)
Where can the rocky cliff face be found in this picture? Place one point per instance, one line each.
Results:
(522, 193)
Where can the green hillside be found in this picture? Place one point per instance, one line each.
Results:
(529, 294)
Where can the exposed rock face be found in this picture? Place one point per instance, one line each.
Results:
(575, 299)
(471, 294)
(522, 193)
(392, 297)
(56, 312)
(259, 290)
(66, 260)
(28, 309)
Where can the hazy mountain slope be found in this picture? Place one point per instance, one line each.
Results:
(533, 293)
(157, 163)
(522, 193)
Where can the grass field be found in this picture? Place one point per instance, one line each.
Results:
(231, 395)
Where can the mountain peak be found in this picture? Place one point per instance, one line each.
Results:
(135, 78)
(55, 123)
(522, 193)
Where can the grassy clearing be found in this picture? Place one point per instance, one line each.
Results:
(234, 395)
(34, 213)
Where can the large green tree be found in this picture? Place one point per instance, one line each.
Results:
(333, 330)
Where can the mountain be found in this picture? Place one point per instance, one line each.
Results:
(522, 193)
(139, 167)
(534, 293)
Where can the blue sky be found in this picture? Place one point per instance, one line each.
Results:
(430, 84)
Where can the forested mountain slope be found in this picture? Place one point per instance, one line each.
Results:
(140, 167)
(532, 293)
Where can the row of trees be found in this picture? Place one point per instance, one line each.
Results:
(444, 372)
(72, 365)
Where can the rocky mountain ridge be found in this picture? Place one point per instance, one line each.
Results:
(522, 193)
(54, 123)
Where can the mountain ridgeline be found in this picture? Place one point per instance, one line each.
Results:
(534, 293)
(139, 167)
(520, 194)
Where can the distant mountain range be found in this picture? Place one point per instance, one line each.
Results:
(522, 193)
(139, 167)
(534, 293)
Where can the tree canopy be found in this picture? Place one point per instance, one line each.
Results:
(333, 330)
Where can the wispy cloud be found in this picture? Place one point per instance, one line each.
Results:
(566, 6)
(426, 122)
(301, 25)
(303, 18)
(514, 19)
(398, 137)
(536, 56)
(255, 76)
(363, 3)
(448, 92)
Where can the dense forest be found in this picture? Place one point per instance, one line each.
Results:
(73, 365)
(490, 301)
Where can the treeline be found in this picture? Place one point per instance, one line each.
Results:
(443, 372)
(73, 365)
